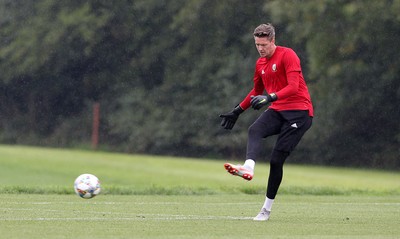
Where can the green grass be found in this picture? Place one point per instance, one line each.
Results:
(41, 170)
(166, 197)
(197, 216)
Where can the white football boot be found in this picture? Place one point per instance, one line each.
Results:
(239, 170)
(263, 215)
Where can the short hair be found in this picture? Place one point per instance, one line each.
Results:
(265, 30)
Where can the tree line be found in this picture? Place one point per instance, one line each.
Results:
(162, 71)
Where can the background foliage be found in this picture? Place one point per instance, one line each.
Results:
(163, 71)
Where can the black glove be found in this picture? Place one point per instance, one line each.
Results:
(229, 119)
(258, 101)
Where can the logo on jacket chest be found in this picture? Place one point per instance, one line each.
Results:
(273, 67)
(269, 69)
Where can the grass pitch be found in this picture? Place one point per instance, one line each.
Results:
(166, 197)
(197, 216)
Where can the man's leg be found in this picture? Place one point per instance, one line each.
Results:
(269, 123)
(296, 124)
(275, 178)
(275, 172)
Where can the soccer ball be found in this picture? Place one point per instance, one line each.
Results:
(87, 186)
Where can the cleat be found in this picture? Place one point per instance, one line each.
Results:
(239, 170)
(263, 215)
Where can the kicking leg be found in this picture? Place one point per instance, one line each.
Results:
(267, 124)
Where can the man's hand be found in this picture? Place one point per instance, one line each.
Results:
(258, 101)
(229, 119)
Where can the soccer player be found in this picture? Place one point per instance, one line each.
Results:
(289, 114)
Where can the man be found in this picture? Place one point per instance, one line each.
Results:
(289, 115)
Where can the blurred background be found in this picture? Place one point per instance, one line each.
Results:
(152, 76)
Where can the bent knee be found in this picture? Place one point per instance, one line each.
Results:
(255, 130)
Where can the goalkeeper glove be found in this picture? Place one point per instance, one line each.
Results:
(229, 119)
(257, 102)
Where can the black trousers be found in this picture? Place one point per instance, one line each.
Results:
(290, 126)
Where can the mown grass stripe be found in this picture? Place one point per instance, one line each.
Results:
(53, 171)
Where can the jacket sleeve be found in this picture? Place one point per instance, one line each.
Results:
(293, 69)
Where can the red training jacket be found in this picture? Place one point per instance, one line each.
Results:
(281, 74)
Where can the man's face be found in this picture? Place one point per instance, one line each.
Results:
(265, 47)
